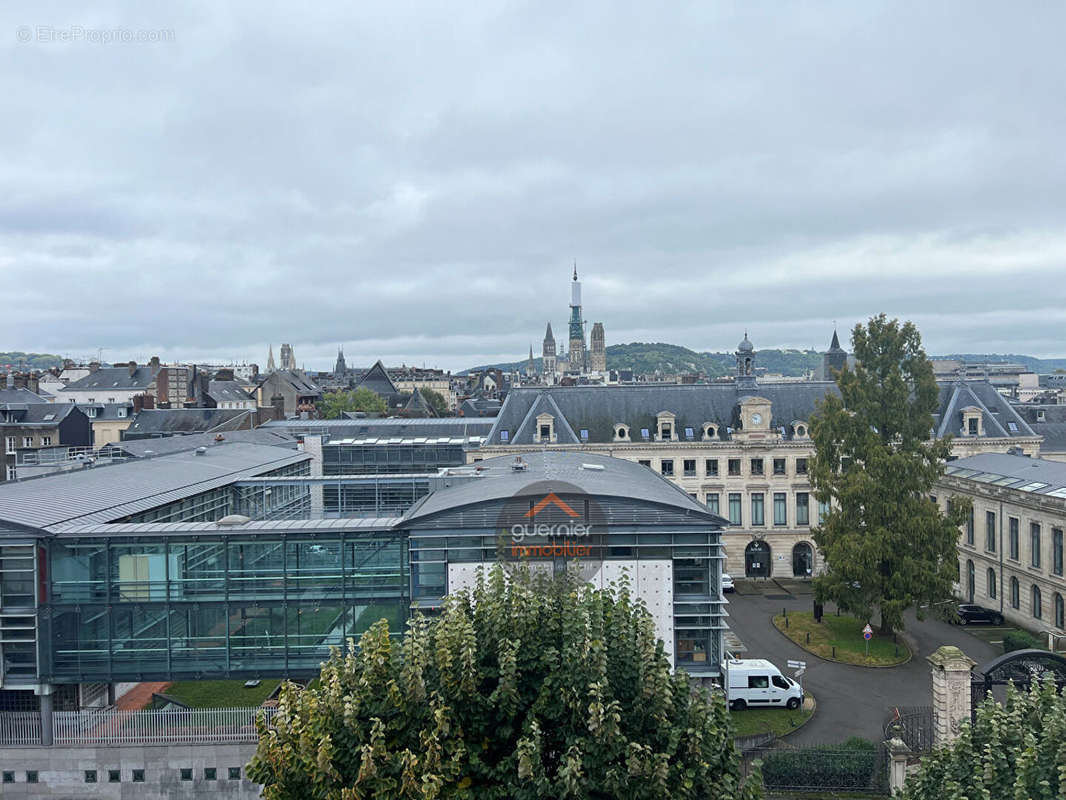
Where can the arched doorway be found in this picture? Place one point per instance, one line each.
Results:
(802, 560)
(970, 582)
(757, 559)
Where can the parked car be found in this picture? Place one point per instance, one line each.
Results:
(757, 683)
(727, 583)
(970, 613)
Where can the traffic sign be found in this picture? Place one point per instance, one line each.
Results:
(867, 632)
(797, 664)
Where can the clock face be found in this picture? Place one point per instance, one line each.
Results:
(756, 419)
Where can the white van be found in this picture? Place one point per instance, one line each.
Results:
(756, 683)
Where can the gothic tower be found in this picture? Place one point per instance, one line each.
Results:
(340, 368)
(548, 356)
(834, 360)
(578, 355)
(597, 349)
(270, 361)
(745, 364)
(530, 371)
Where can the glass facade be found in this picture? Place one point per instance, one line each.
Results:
(341, 458)
(215, 606)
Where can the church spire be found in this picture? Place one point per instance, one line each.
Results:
(270, 360)
(575, 269)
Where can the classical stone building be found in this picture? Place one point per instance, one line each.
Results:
(1011, 548)
(547, 355)
(742, 448)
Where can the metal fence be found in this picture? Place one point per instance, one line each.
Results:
(856, 767)
(111, 726)
(913, 725)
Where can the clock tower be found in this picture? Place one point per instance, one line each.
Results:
(745, 364)
(755, 415)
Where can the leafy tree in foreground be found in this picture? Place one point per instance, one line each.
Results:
(886, 545)
(334, 404)
(1015, 750)
(521, 689)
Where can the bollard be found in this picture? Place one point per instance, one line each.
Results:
(897, 651)
(834, 651)
(784, 613)
(808, 637)
(786, 623)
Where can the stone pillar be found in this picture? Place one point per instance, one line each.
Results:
(313, 445)
(45, 692)
(951, 693)
(898, 753)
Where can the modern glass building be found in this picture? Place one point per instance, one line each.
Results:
(186, 567)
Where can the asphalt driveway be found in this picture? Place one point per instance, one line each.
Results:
(852, 701)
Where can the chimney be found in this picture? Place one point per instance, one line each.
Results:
(224, 375)
(133, 368)
(94, 366)
(154, 363)
(149, 401)
(68, 363)
(20, 380)
(33, 381)
(3, 380)
(278, 402)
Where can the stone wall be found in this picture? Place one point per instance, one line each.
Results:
(61, 772)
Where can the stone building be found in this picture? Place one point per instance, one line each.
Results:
(548, 365)
(1011, 548)
(597, 350)
(741, 448)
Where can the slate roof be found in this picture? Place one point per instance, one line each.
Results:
(114, 378)
(377, 380)
(618, 478)
(598, 408)
(227, 392)
(1052, 427)
(417, 405)
(997, 413)
(138, 448)
(106, 493)
(1036, 475)
(41, 415)
(107, 411)
(385, 427)
(300, 383)
(171, 421)
(24, 396)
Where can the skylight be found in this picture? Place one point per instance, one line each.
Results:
(1060, 492)
(1033, 487)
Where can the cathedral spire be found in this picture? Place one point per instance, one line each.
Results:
(270, 360)
(575, 269)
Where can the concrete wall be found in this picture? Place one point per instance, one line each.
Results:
(61, 772)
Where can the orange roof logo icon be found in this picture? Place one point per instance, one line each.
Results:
(551, 499)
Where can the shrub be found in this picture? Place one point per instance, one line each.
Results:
(1021, 640)
(850, 765)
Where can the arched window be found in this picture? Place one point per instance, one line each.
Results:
(802, 560)
(757, 560)
(1060, 612)
(621, 433)
(991, 583)
(1015, 593)
(1038, 612)
(970, 581)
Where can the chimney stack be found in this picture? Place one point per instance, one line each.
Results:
(20, 380)
(154, 363)
(133, 368)
(94, 366)
(224, 375)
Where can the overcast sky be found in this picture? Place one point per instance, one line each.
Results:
(413, 180)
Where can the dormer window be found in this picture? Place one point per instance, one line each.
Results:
(621, 433)
(710, 430)
(972, 422)
(545, 432)
(799, 430)
(666, 430)
(505, 435)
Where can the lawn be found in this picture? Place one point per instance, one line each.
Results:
(843, 633)
(221, 694)
(778, 721)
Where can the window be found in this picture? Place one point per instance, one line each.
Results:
(801, 466)
(823, 510)
(90, 412)
(46, 441)
(621, 432)
(758, 681)
(690, 434)
(505, 435)
(803, 508)
(1015, 594)
(584, 434)
(666, 467)
(990, 531)
(90, 776)
(10, 473)
(138, 776)
(688, 466)
(11, 444)
(756, 466)
(1056, 551)
(1060, 612)
(712, 502)
(779, 466)
(734, 508)
(758, 516)
(31, 776)
(734, 466)
(971, 425)
(9, 776)
(210, 773)
(710, 466)
(779, 682)
(1034, 544)
(186, 773)
(645, 462)
(780, 509)
(1038, 612)
(122, 412)
(644, 434)
(991, 578)
(114, 776)
(1012, 537)
(27, 441)
(969, 528)
(234, 773)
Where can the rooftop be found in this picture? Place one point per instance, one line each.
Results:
(1035, 475)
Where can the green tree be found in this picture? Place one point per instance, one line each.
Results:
(435, 400)
(1014, 750)
(885, 544)
(334, 404)
(521, 689)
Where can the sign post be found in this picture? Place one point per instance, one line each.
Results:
(867, 634)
